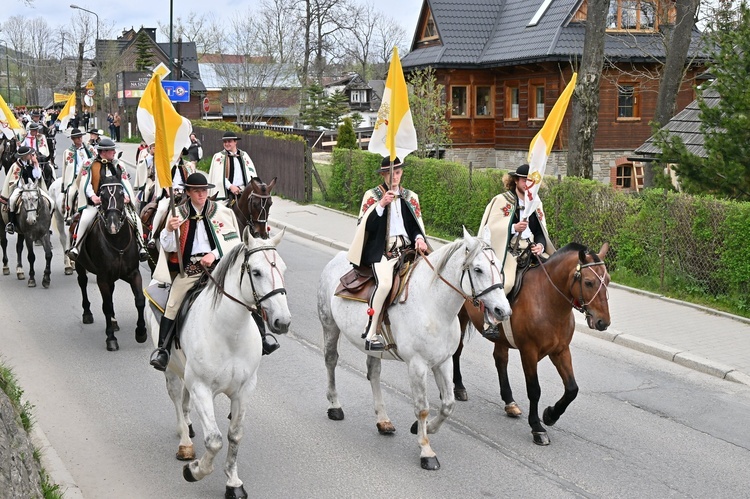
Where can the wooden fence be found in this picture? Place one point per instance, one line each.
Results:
(285, 159)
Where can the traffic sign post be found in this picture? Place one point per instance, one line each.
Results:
(206, 105)
(177, 91)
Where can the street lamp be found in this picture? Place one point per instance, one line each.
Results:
(73, 6)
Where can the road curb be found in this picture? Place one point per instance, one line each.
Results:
(54, 467)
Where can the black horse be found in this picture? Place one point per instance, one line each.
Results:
(33, 219)
(110, 250)
(8, 155)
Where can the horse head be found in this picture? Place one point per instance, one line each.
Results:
(589, 287)
(30, 201)
(8, 156)
(482, 277)
(112, 208)
(256, 203)
(264, 269)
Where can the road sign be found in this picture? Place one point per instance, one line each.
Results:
(90, 92)
(206, 105)
(177, 91)
(162, 70)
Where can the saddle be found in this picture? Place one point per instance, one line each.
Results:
(157, 295)
(359, 283)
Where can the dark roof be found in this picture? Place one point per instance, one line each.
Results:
(687, 126)
(491, 33)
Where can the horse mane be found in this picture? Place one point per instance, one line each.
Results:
(573, 247)
(222, 270)
(449, 250)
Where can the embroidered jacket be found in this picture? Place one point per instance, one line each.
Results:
(219, 172)
(71, 166)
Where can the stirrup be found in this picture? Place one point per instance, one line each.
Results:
(157, 359)
(375, 344)
(143, 255)
(10, 228)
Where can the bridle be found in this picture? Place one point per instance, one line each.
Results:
(265, 204)
(474, 298)
(111, 190)
(246, 269)
(579, 304)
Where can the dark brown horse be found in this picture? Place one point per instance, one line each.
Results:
(542, 325)
(110, 250)
(253, 206)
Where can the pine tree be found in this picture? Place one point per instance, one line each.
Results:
(336, 106)
(313, 107)
(347, 138)
(144, 57)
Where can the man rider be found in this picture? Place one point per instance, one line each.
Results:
(25, 169)
(73, 160)
(36, 141)
(231, 169)
(104, 165)
(390, 221)
(207, 231)
(180, 172)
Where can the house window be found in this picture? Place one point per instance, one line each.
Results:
(536, 100)
(373, 120)
(624, 176)
(638, 15)
(459, 99)
(511, 102)
(628, 101)
(483, 101)
(429, 32)
(358, 96)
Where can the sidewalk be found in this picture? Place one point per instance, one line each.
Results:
(703, 339)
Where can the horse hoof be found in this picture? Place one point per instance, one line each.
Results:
(140, 335)
(45, 282)
(414, 428)
(32, 283)
(460, 394)
(115, 325)
(20, 276)
(112, 345)
(386, 428)
(540, 437)
(187, 474)
(429, 463)
(6, 271)
(512, 410)
(235, 493)
(88, 318)
(68, 270)
(336, 414)
(190, 431)
(548, 418)
(186, 453)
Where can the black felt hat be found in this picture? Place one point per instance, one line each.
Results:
(230, 136)
(76, 133)
(23, 151)
(33, 125)
(197, 181)
(385, 165)
(521, 171)
(106, 145)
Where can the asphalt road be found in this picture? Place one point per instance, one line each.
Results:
(641, 426)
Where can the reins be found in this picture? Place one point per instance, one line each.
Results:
(579, 304)
(255, 309)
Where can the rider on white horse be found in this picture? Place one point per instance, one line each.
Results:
(207, 231)
(76, 156)
(386, 228)
(25, 169)
(231, 169)
(104, 165)
(180, 172)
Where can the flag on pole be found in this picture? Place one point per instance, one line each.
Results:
(58, 97)
(541, 146)
(68, 112)
(160, 124)
(394, 134)
(7, 116)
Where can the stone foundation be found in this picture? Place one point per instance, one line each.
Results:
(19, 471)
(604, 161)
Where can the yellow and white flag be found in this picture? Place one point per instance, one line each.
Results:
(58, 97)
(160, 124)
(68, 112)
(394, 134)
(7, 116)
(541, 146)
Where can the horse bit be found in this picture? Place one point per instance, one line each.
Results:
(247, 269)
(580, 305)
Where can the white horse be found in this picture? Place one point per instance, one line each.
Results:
(221, 350)
(425, 327)
(58, 211)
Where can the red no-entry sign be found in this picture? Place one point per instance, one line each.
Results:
(206, 105)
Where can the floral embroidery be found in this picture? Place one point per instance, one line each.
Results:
(540, 214)
(84, 172)
(368, 203)
(506, 210)
(417, 209)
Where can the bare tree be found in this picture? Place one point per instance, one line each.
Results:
(280, 29)
(203, 29)
(585, 118)
(388, 34)
(358, 42)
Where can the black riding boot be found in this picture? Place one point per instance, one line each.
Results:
(11, 227)
(270, 345)
(160, 356)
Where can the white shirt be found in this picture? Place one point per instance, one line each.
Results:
(526, 234)
(201, 242)
(237, 171)
(81, 157)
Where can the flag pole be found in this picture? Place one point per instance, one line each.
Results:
(173, 210)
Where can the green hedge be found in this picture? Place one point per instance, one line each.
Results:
(689, 247)
(217, 125)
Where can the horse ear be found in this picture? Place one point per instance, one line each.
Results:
(271, 184)
(275, 240)
(466, 232)
(603, 251)
(247, 237)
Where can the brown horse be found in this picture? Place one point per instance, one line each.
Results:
(542, 325)
(253, 206)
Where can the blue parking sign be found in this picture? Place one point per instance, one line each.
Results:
(177, 91)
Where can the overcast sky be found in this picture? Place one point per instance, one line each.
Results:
(134, 13)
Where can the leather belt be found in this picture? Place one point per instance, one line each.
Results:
(197, 257)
